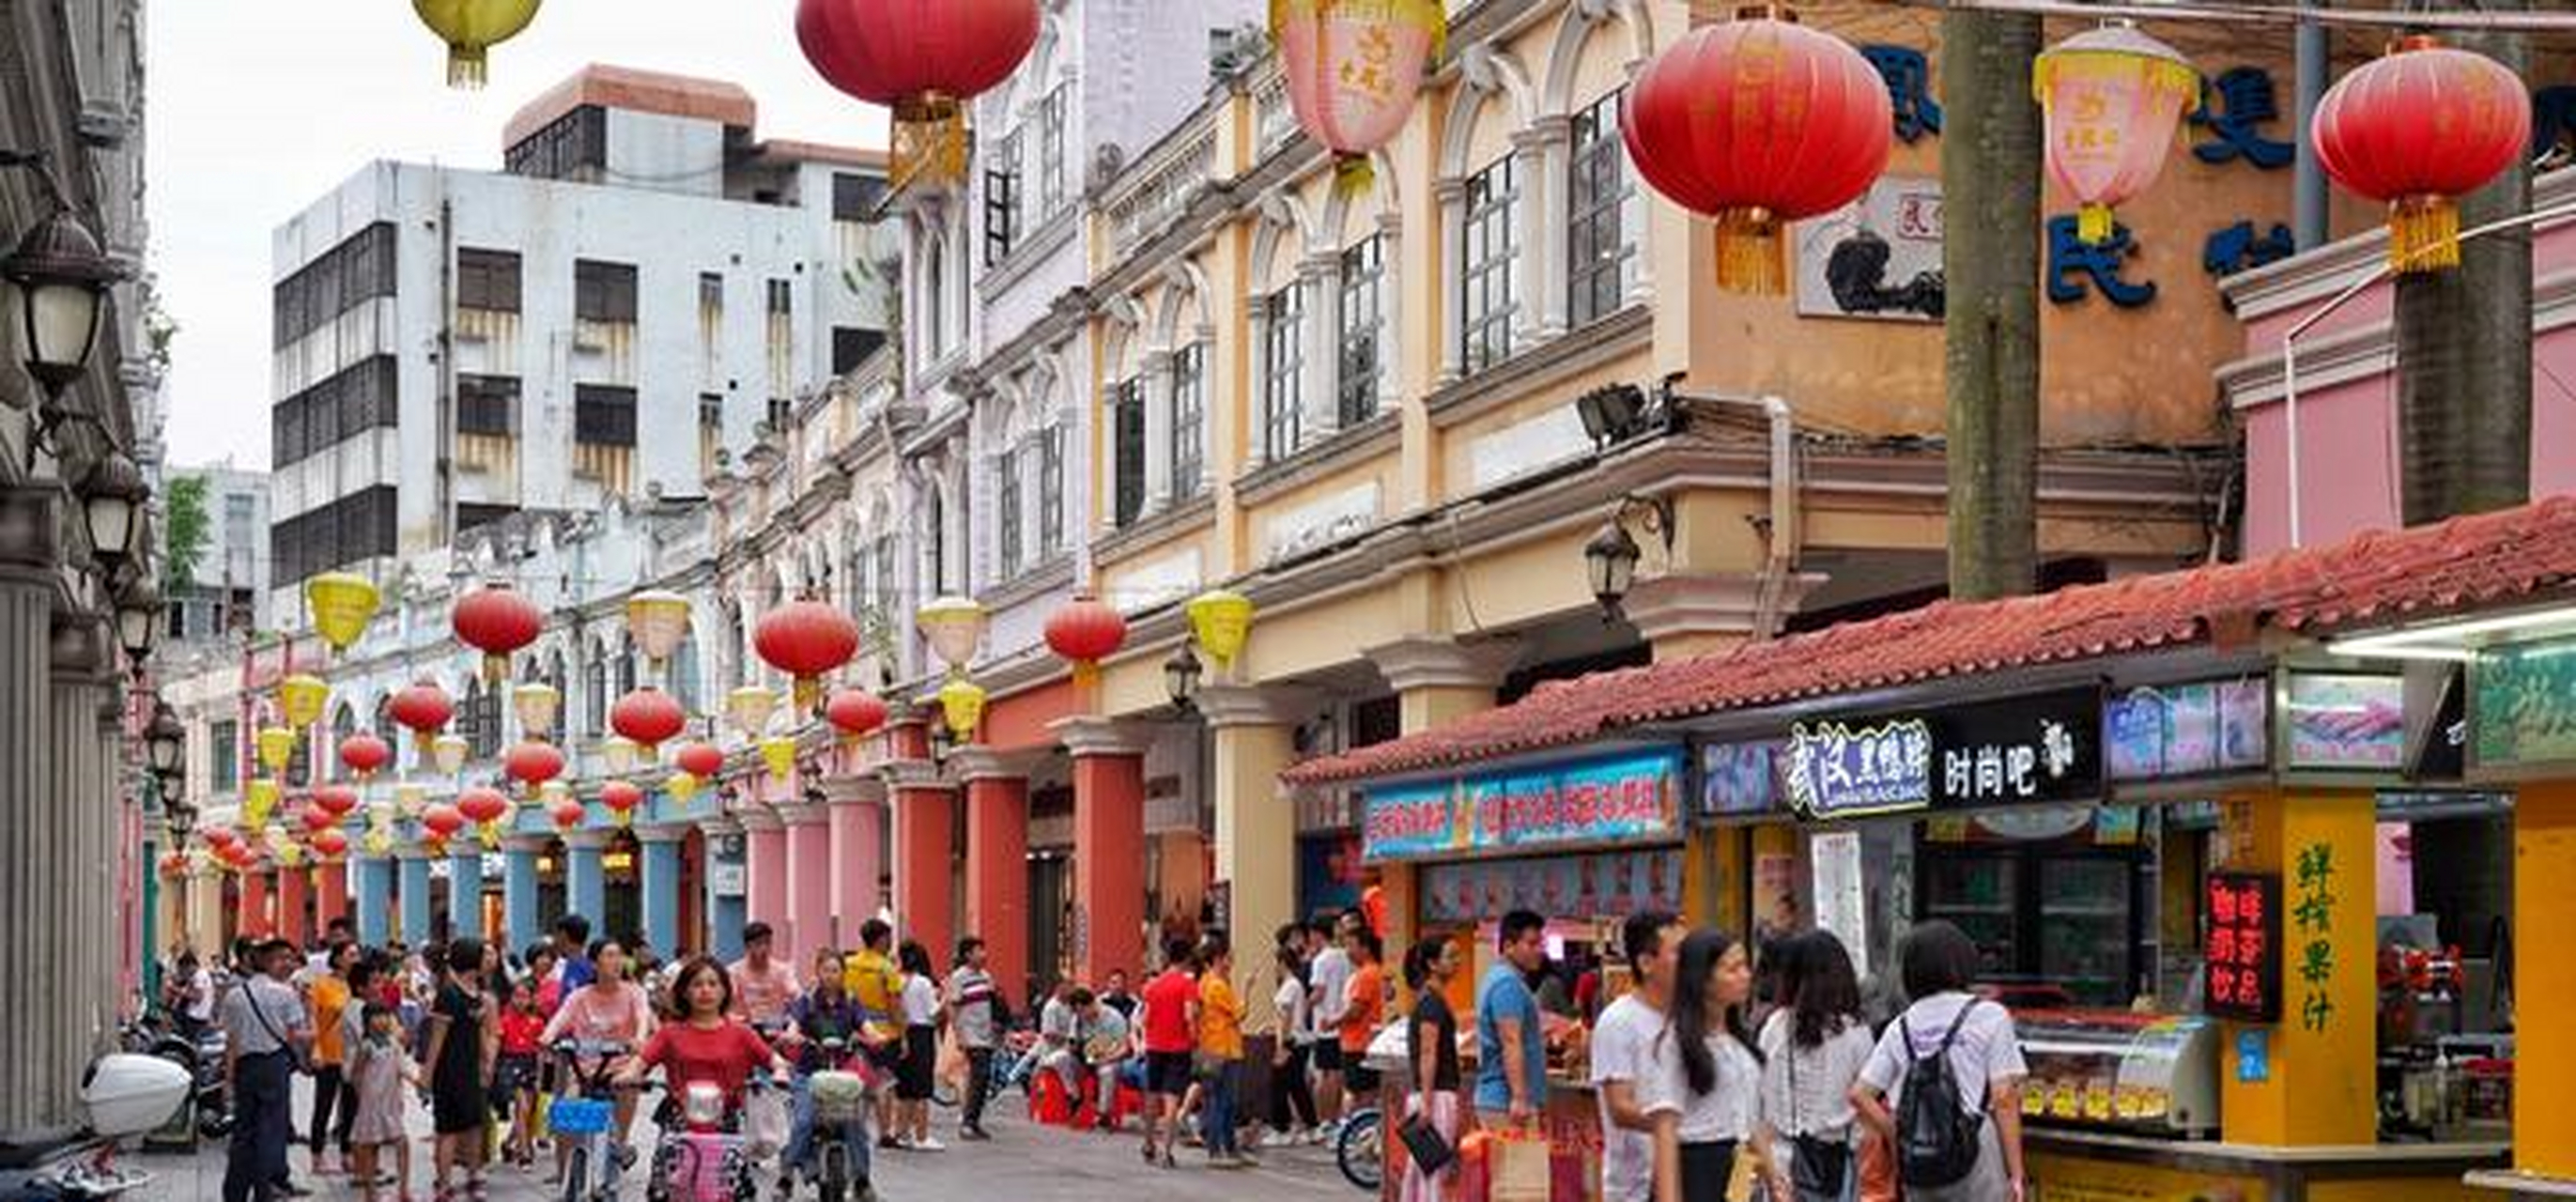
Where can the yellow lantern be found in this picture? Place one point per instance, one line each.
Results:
(410, 800)
(341, 606)
(658, 620)
(259, 800)
(779, 752)
(961, 701)
(300, 698)
(1222, 620)
(749, 709)
(618, 753)
(276, 747)
(955, 628)
(682, 786)
(470, 29)
(289, 853)
(449, 752)
(537, 705)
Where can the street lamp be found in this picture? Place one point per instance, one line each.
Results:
(112, 494)
(138, 617)
(1181, 677)
(1610, 558)
(164, 740)
(62, 277)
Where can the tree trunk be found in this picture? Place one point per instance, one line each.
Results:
(1990, 173)
(2464, 349)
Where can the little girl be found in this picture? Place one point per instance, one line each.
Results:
(379, 1069)
(521, 1027)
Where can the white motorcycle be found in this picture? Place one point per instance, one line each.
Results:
(127, 1095)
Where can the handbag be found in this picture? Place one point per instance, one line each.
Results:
(1423, 1143)
(1818, 1164)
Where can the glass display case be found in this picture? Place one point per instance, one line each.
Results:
(2144, 1074)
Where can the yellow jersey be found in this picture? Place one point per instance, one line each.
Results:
(876, 986)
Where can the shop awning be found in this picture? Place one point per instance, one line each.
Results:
(2375, 579)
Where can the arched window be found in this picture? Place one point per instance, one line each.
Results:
(684, 673)
(344, 723)
(595, 691)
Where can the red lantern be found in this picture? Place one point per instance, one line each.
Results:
(481, 805)
(1758, 123)
(923, 59)
(854, 712)
(2416, 130)
(621, 798)
(442, 820)
(497, 621)
(701, 760)
(806, 639)
(221, 837)
(365, 755)
(330, 841)
(317, 819)
(648, 718)
(532, 764)
(424, 709)
(335, 800)
(1086, 632)
(566, 814)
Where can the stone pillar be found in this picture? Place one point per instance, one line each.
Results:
(1450, 195)
(997, 865)
(411, 889)
(924, 854)
(330, 893)
(585, 880)
(78, 815)
(206, 913)
(374, 883)
(294, 893)
(765, 864)
(254, 918)
(1546, 187)
(809, 883)
(661, 885)
(465, 890)
(725, 873)
(519, 924)
(1108, 846)
(35, 1088)
(858, 816)
(1256, 824)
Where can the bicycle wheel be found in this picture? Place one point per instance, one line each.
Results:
(1360, 1152)
(576, 1182)
(833, 1185)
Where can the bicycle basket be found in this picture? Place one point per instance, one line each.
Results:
(838, 1097)
(579, 1116)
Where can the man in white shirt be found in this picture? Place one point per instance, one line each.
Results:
(1328, 980)
(1623, 1055)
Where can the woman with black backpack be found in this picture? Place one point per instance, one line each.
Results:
(1944, 1085)
(1813, 1045)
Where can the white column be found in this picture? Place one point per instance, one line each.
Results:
(1452, 195)
(1158, 433)
(1545, 195)
(1319, 276)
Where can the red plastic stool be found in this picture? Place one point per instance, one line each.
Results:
(1047, 1101)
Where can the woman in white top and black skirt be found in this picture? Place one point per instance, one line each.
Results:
(1813, 1047)
(1703, 1088)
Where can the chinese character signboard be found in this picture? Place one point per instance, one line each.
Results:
(2346, 722)
(1740, 780)
(1878, 257)
(1627, 797)
(2045, 748)
(2243, 953)
(2314, 910)
(1581, 886)
(1841, 770)
(2174, 731)
(2522, 712)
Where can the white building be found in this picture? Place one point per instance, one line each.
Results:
(228, 592)
(645, 284)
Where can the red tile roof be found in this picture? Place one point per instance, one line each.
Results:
(2376, 578)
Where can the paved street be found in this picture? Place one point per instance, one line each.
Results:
(1024, 1161)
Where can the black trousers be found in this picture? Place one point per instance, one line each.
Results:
(1292, 1098)
(1706, 1170)
(263, 1123)
(979, 1087)
(333, 1097)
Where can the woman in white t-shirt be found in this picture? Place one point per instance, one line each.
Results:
(1703, 1084)
(1939, 963)
(1813, 1046)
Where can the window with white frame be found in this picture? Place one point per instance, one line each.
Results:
(1363, 271)
(1283, 376)
(1189, 419)
(934, 298)
(1489, 280)
(1002, 198)
(1006, 511)
(1050, 491)
(1051, 168)
(1598, 242)
(1127, 452)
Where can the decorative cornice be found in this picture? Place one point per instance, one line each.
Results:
(863, 789)
(30, 533)
(586, 840)
(1053, 575)
(916, 775)
(1665, 607)
(1230, 705)
(2367, 351)
(662, 832)
(1155, 529)
(1434, 662)
(973, 763)
(1373, 439)
(1087, 735)
(757, 819)
(1543, 365)
(800, 814)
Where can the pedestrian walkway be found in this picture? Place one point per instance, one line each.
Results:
(1023, 1161)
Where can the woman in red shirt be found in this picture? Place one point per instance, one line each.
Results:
(706, 1044)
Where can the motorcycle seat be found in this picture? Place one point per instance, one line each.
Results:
(33, 1146)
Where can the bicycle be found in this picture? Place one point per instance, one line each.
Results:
(587, 1120)
(1360, 1150)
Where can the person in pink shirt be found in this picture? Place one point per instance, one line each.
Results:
(762, 984)
(611, 1009)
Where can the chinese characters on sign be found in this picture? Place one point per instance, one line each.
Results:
(2233, 107)
(2238, 248)
(1630, 797)
(2243, 954)
(1838, 770)
(1992, 772)
(2314, 911)
(2035, 749)
(2077, 268)
(1909, 89)
(1410, 822)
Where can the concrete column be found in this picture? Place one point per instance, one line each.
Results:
(519, 922)
(206, 912)
(79, 814)
(465, 891)
(330, 893)
(924, 854)
(1545, 198)
(809, 882)
(662, 885)
(294, 892)
(765, 864)
(373, 876)
(997, 865)
(1108, 846)
(585, 882)
(1451, 196)
(858, 817)
(1256, 826)
(2323, 1052)
(254, 920)
(32, 1090)
(2544, 977)
(725, 873)
(411, 890)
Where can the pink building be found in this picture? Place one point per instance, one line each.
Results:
(2347, 464)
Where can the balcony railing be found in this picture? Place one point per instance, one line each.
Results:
(1160, 188)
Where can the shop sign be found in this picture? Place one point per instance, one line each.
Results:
(2026, 750)
(2346, 722)
(1628, 797)
(2524, 708)
(2243, 951)
(1741, 780)
(727, 878)
(1843, 770)
(1580, 886)
(2164, 732)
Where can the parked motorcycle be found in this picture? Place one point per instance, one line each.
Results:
(126, 1095)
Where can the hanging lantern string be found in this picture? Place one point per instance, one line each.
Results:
(2271, 14)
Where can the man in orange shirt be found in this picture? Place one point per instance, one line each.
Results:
(1220, 1032)
(1366, 1010)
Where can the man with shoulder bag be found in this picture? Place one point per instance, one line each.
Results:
(266, 1032)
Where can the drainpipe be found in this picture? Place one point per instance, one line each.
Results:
(1782, 536)
(2308, 184)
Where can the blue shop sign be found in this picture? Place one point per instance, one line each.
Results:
(1742, 780)
(1588, 801)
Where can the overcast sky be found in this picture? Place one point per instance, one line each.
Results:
(259, 108)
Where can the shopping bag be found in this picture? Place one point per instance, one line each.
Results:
(1878, 1181)
(1521, 1168)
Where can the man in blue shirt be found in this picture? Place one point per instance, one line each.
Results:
(1511, 1047)
(572, 953)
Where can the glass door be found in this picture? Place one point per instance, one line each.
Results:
(1982, 895)
(2086, 921)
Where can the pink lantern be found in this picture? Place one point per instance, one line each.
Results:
(2114, 97)
(1354, 69)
